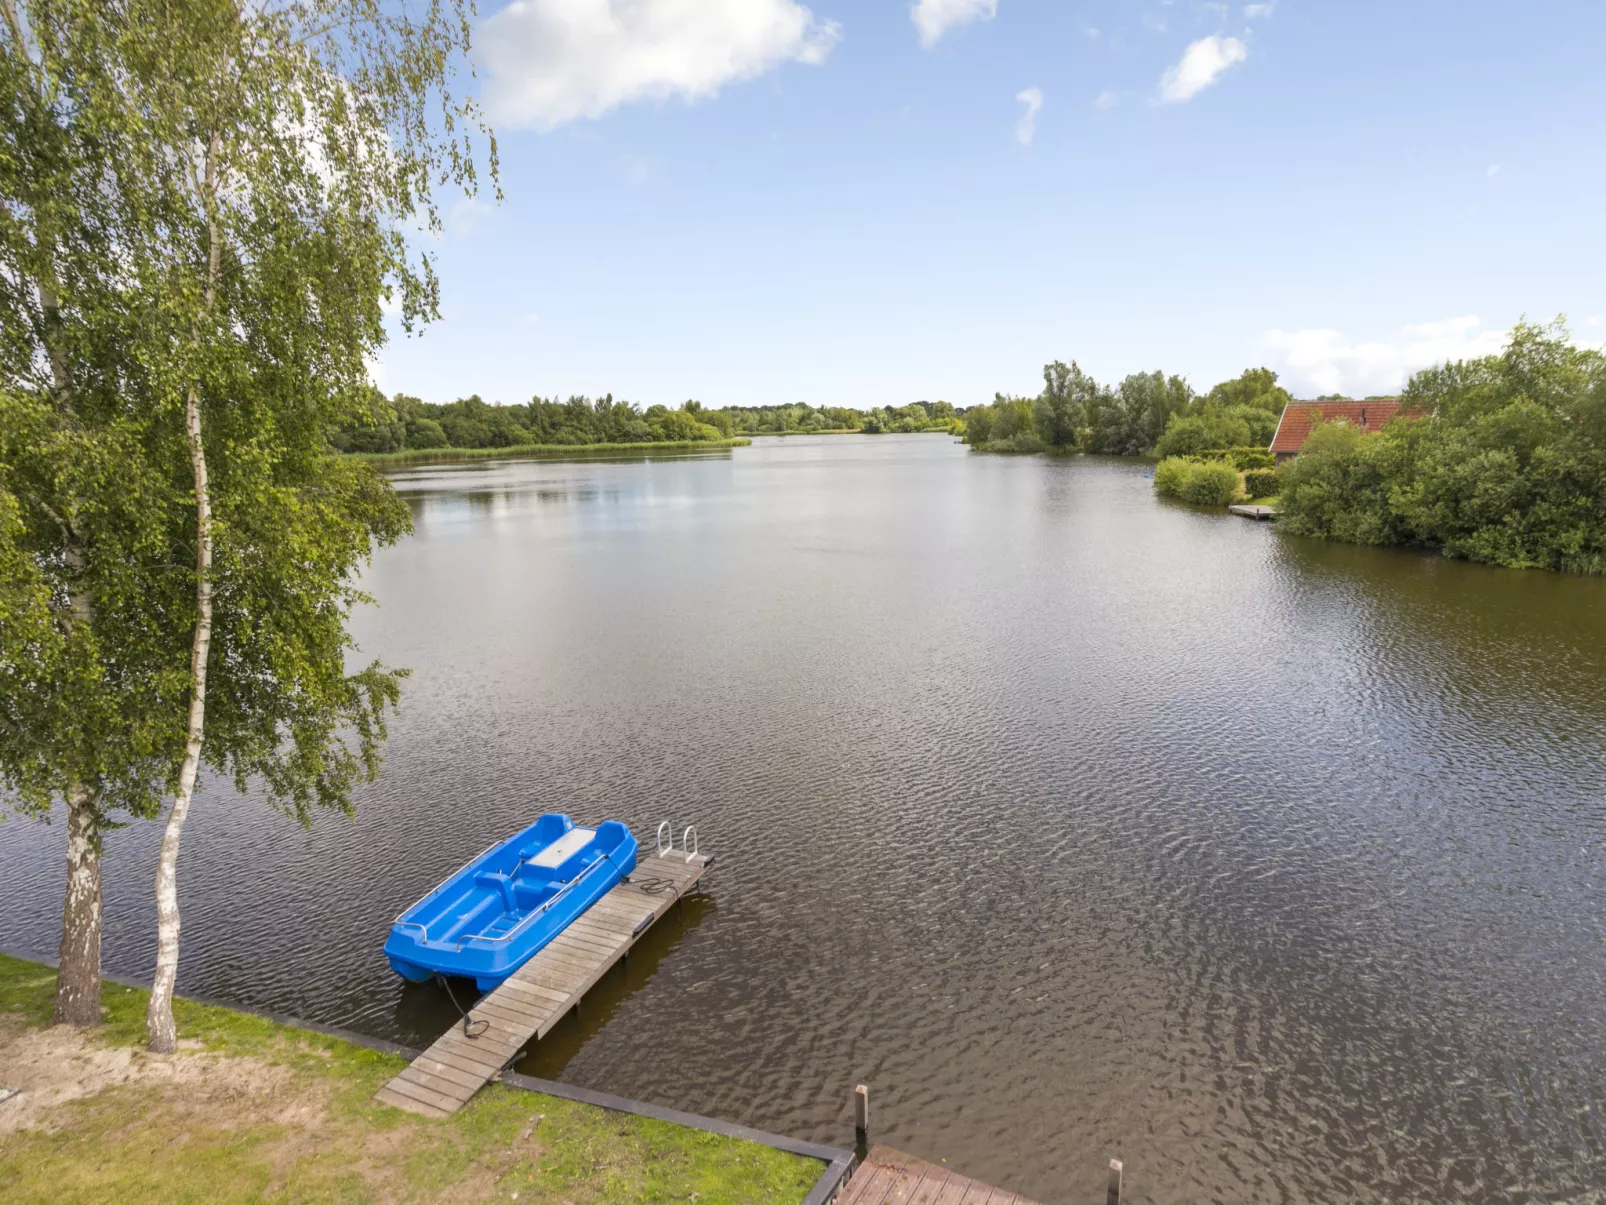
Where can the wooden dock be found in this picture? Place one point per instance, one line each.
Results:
(889, 1177)
(538, 995)
(1259, 513)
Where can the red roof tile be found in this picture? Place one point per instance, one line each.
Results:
(1299, 417)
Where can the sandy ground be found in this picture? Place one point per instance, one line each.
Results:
(59, 1064)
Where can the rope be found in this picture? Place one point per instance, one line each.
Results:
(471, 1029)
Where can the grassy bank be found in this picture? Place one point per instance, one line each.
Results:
(253, 1111)
(424, 455)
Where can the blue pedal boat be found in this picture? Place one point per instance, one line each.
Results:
(487, 920)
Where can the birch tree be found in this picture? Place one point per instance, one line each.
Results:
(263, 166)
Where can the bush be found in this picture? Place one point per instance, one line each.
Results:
(1171, 475)
(1260, 483)
(1201, 482)
(1243, 458)
(1196, 434)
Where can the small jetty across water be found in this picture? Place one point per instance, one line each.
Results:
(1258, 513)
(889, 1177)
(537, 996)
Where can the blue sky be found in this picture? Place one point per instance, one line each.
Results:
(757, 201)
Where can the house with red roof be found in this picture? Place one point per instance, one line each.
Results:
(1300, 418)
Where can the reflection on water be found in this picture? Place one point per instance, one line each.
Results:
(1076, 824)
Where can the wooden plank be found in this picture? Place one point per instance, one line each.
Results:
(396, 1100)
(585, 942)
(474, 1050)
(557, 975)
(626, 913)
(449, 1070)
(586, 937)
(534, 992)
(424, 1096)
(868, 1186)
(892, 1165)
(447, 1088)
(510, 1013)
(507, 1002)
(953, 1192)
(979, 1194)
(601, 929)
(566, 957)
(931, 1185)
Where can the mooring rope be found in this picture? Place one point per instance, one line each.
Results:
(471, 1029)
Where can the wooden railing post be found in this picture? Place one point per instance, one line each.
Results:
(861, 1121)
(1113, 1197)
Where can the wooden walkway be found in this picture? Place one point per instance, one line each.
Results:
(1258, 513)
(889, 1177)
(536, 996)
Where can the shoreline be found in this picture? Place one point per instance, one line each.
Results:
(543, 451)
(326, 1077)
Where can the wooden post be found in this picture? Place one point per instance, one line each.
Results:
(861, 1120)
(1113, 1197)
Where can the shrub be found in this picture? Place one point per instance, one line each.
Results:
(1213, 483)
(1171, 475)
(1193, 434)
(1248, 459)
(1260, 483)
(1202, 482)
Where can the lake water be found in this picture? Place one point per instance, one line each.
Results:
(1076, 823)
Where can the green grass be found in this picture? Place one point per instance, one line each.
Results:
(423, 455)
(1271, 501)
(307, 1129)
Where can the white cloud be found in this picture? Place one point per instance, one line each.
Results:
(1201, 65)
(1107, 100)
(1314, 362)
(467, 214)
(1260, 10)
(1092, 32)
(933, 18)
(552, 61)
(1492, 170)
(530, 319)
(1032, 98)
(1596, 320)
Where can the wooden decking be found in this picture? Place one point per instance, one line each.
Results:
(1259, 513)
(889, 1177)
(536, 996)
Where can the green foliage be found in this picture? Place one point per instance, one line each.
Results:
(1256, 388)
(1198, 433)
(1340, 485)
(406, 423)
(1201, 482)
(207, 200)
(1261, 483)
(563, 451)
(1242, 459)
(1009, 424)
(1507, 464)
(1129, 421)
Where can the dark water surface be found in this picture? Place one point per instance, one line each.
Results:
(1075, 823)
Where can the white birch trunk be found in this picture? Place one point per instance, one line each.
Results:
(78, 975)
(160, 1032)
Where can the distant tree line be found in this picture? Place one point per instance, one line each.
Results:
(1147, 414)
(1500, 459)
(403, 422)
